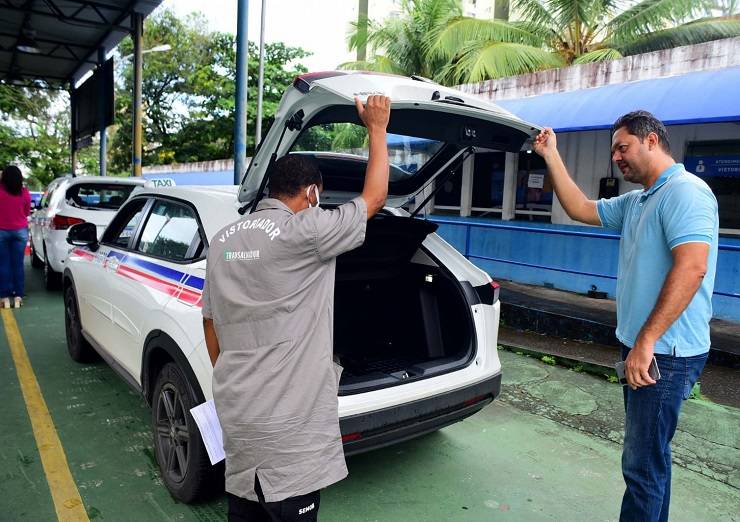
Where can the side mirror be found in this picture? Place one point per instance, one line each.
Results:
(83, 234)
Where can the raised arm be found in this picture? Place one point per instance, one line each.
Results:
(375, 114)
(574, 201)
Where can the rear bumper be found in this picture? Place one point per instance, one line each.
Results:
(381, 428)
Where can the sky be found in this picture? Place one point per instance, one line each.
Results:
(318, 26)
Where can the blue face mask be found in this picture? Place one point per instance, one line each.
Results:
(316, 192)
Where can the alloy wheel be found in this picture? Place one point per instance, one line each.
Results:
(173, 432)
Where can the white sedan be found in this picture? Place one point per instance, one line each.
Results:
(429, 357)
(68, 201)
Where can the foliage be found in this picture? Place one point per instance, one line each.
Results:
(548, 359)
(695, 391)
(188, 95)
(433, 39)
(34, 133)
(189, 91)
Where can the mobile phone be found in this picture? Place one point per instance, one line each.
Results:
(653, 371)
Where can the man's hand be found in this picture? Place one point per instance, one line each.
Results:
(375, 113)
(637, 364)
(545, 143)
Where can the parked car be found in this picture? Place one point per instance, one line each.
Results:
(36, 199)
(429, 318)
(67, 201)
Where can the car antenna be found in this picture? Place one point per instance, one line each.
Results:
(295, 122)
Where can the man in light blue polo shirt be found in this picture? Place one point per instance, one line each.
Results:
(667, 260)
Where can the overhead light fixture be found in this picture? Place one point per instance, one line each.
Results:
(158, 49)
(27, 42)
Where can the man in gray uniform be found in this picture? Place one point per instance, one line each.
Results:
(268, 320)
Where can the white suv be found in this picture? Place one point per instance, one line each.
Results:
(67, 201)
(428, 354)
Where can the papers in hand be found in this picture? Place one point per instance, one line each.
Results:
(210, 430)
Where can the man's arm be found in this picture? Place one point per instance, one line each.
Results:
(211, 340)
(681, 283)
(574, 201)
(375, 114)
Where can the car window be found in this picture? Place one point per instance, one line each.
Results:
(46, 198)
(98, 196)
(124, 225)
(406, 153)
(171, 232)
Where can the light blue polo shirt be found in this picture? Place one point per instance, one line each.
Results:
(680, 208)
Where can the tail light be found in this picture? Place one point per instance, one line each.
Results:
(60, 222)
(351, 437)
(488, 293)
(496, 287)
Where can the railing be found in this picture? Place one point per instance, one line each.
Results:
(549, 231)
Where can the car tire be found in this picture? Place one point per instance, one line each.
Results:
(36, 261)
(51, 278)
(79, 348)
(183, 461)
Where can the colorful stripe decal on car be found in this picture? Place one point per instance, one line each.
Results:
(172, 282)
(163, 271)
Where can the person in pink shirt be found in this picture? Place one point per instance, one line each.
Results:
(15, 206)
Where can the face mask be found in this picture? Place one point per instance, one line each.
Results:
(316, 192)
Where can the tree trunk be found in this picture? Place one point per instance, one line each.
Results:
(362, 30)
(501, 10)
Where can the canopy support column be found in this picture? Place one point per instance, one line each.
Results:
(136, 142)
(240, 116)
(101, 115)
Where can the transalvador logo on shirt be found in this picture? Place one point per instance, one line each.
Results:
(241, 255)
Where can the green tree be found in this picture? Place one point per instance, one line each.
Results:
(189, 92)
(35, 132)
(433, 39)
(576, 31)
(399, 45)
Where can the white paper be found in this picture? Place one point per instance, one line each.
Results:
(536, 181)
(210, 430)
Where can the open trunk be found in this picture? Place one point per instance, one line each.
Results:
(398, 315)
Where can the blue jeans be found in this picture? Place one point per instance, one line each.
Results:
(12, 250)
(651, 416)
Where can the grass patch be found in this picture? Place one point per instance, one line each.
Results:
(548, 359)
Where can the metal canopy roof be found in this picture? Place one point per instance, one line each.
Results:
(68, 34)
(696, 97)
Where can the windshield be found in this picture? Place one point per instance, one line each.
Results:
(406, 153)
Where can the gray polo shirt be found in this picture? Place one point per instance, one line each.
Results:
(270, 292)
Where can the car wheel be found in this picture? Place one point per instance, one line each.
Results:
(182, 458)
(36, 261)
(51, 278)
(79, 349)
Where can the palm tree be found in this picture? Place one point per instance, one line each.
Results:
(431, 38)
(577, 31)
(399, 44)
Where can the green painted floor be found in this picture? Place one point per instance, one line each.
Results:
(547, 450)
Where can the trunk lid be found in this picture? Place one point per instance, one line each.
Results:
(430, 128)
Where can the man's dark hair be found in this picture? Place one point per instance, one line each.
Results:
(12, 180)
(642, 123)
(292, 173)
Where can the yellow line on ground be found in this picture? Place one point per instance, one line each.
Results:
(67, 502)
